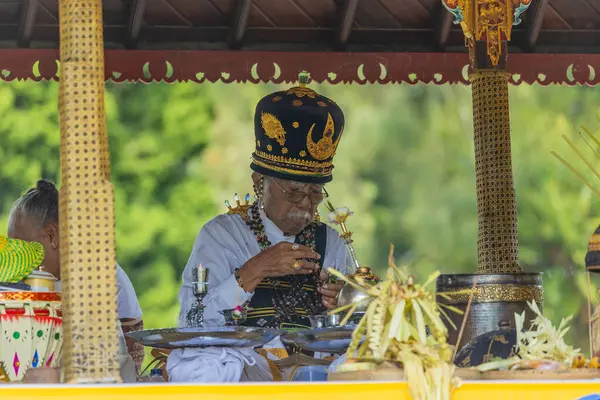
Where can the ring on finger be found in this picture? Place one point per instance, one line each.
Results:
(297, 265)
(295, 246)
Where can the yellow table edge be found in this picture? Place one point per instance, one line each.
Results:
(491, 390)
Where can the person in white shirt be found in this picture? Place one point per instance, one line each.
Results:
(34, 218)
(275, 253)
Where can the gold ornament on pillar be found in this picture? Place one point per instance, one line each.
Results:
(487, 20)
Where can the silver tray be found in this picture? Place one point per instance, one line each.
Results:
(223, 336)
(325, 340)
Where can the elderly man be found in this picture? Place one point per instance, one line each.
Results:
(274, 253)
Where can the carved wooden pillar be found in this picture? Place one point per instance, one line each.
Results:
(87, 242)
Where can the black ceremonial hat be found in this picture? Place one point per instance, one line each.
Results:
(592, 257)
(500, 343)
(297, 133)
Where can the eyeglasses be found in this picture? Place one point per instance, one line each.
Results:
(296, 196)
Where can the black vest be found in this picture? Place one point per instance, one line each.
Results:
(261, 311)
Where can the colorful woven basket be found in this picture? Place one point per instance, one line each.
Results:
(32, 333)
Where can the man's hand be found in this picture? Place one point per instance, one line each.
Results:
(329, 291)
(280, 260)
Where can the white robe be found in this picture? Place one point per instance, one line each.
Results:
(128, 306)
(127, 303)
(224, 244)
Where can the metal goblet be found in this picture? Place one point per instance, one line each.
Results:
(195, 316)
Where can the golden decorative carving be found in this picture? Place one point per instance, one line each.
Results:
(295, 124)
(273, 127)
(489, 20)
(302, 153)
(269, 147)
(494, 293)
(284, 150)
(325, 147)
(492, 22)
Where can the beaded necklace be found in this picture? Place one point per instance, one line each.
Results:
(286, 302)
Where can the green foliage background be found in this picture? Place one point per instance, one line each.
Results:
(405, 166)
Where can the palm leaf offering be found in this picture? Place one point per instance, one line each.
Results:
(593, 144)
(394, 329)
(542, 347)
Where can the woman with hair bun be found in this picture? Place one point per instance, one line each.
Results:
(34, 218)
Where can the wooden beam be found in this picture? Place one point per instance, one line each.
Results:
(27, 24)
(312, 39)
(239, 24)
(136, 19)
(231, 66)
(535, 21)
(442, 27)
(346, 19)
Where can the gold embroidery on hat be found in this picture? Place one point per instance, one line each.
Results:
(276, 99)
(302, 153)
(306, 164)
(301, 92)
(284, 150)
(325, 147)
(295, 124)
(322, 104)
(293, 171)
(258, 143)
(297, 103)
(292, 166)
(269, 147)
(272, 127)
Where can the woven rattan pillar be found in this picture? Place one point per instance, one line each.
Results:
(501, 289)
(497, 241)
(487, 26)
(88, 266)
